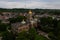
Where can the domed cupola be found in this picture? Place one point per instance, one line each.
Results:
(30, 12)
(23, 22)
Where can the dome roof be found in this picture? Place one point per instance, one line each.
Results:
(30, 12)
(23, 22)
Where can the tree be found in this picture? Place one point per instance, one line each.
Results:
(30, 35)
(8, 36)
(0, 21)
(3, 27)
(18, 19)
(40, 37)
(46, 24)
(22, 36)
(52, 36)
(58, 31)
(55, 34)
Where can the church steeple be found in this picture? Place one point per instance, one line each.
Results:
(30, 15)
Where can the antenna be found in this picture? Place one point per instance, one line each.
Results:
(30, 1)
(26, 3)
(25, 6)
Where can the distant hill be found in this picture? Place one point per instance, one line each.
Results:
(22, 10)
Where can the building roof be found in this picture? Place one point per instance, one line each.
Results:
(30, 12)
(23, 22)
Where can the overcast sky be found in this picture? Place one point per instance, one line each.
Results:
(49, 4)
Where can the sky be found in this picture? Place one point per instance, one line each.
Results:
(41, 4)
